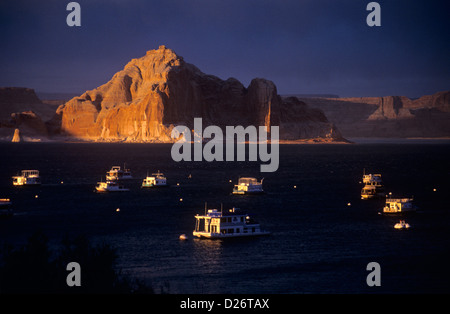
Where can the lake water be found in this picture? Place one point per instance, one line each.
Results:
(323, 234)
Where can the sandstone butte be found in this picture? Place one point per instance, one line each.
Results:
(154, 93)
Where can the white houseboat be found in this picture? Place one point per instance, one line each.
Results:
(116, 173)
(27, 177)
(5, 208)
(402, 225)
(110, 186)
(398, 205)
(155, 180)
(248, 186)
(219, 225)
(373, 186)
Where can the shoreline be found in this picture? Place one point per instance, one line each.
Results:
(349, 141)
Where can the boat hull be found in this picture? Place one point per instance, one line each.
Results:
(205, 235)
(154, 186)
(110, 190)
(241, 192)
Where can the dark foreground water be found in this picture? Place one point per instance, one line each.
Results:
(319, 244)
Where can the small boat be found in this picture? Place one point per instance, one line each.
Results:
(399, 205)
(27, 177)
(156, 180)
(402, 225)
(116, 173)
(6, 210)
(219, 225)
(110, 186)
(373, 186)
(248, 185)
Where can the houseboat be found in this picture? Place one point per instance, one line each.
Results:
(215, 224)
(373, 186)
(110, 186)
(248, 186)
(155, 180)
(5, 208)
(398, 205)
(116, 173)
(27, 177)
(402, 225)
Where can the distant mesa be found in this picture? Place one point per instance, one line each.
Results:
(390, 116)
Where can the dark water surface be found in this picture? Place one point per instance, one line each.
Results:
(318, 244)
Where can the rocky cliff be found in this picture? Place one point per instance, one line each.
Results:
(22, 112)
(152, 94)
(390, 116)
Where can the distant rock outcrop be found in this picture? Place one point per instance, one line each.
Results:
(16, 137)
(390, 116)
(152, 94)
(22, 110)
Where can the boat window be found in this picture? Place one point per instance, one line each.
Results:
(201, 225)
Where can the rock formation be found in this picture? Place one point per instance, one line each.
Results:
(16, 136)
(152, 94)
(390, 116)
(22, 110)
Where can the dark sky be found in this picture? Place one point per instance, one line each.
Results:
(303, 46)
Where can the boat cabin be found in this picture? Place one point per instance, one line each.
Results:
(156, 180)
(399, 205)
(27, 177)
(248, 185)
(116, 173)
(372, 179)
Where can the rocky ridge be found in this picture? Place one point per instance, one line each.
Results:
(390, 116)
(154, 93)
(23, 111)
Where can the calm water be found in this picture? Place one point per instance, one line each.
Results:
(319, 244)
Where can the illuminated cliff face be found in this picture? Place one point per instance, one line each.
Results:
(152, 94)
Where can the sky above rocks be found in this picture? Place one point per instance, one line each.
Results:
(303, 46)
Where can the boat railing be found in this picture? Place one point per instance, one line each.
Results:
(247, 181)
(30, 173)
(399, 200)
